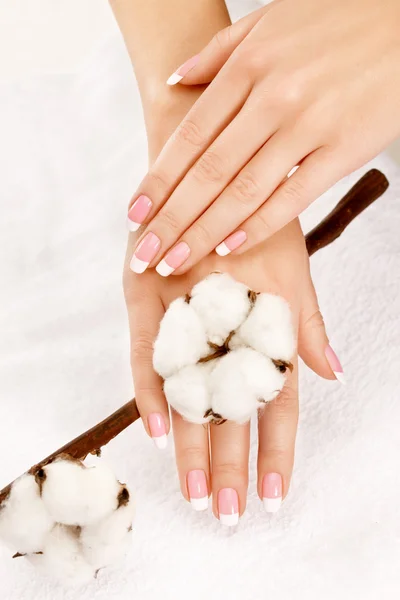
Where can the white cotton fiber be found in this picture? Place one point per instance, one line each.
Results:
(268, 328)
(108, 541)
(76, 495)
(222, 305)
(188, 391)
(62, 558)
(181, 340)
(24, 520)
(241, 382)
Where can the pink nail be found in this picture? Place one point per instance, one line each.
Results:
(138, 212)
(334, 364)
(197, 486)
(231, 243)
(158, 430)
(228, 507)
(183, 70)
(272, 492)
(174, 259)
(145, 252)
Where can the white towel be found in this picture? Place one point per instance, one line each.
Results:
(72, 149)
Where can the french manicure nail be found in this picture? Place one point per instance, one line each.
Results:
(183, 70)
(145, 252)
(138, 212)
(272, 492)
(231, 243)
(197, 487)
(174, 259)
(158, 430)
(228, 507)
(334, 364)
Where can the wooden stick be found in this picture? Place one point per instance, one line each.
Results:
(361, 195)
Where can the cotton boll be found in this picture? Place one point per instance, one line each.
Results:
(62, 558)
(76, 495)
(108, 541)
(241, 381)
(268, 328)
(181, 340)
(24, 520)
(188, 391)
(222, 304)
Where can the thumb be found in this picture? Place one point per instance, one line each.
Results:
(203, 67)
(313, 344)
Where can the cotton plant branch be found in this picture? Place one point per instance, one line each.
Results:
(368, 189)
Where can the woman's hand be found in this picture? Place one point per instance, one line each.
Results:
(307, 83)
(218, 463)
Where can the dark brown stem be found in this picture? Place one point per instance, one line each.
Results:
(361, 195)
(368, 189)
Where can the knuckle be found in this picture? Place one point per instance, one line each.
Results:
(189, 133)
(209, 167)
(315, 320)
(229, 468)
(157, 182)
(168, 219)
(291, 92)
(245, 188)
(142, 349)
(261, 226)
(222, 39)
(193, 453)
(286, 403)
(201, 234)
(294, 190)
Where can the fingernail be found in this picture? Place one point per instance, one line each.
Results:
(228, 507)
(145, 252)
(197, 487)
(272, 492)
(158, 430)
(138, 212)
(334, 364)
(174, 259)
(183, 70)
(231, 243)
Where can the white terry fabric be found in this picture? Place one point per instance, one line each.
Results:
(71, 151)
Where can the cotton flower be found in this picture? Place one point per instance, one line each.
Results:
(68, 520)
(233, 357)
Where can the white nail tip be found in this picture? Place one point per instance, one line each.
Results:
(164, 269)
(229, 520)
(222, 249)
(340, 377)
(161, 442)
(174, 79)
(137, 265)
(132, 226)
(199, 503)
(272, 505)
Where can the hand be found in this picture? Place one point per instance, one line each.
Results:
(314, 84)
(279, 265)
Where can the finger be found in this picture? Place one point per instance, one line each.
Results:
(230, 446)
(241, 198)
(316, 174)
(203, 67)
(192, 460)
(277, 435)
(145, 311)
(314, 347)
(208, 117)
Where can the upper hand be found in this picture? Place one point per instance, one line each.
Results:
(314, 84)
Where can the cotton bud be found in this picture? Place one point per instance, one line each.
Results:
(76, 495)
(222, 305)
(24, 521)
(61, 557)
(181, 340)
(242, 382)
(106, 543)
(268, 328)
(188, 391)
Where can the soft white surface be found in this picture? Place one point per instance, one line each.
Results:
(71, 151)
